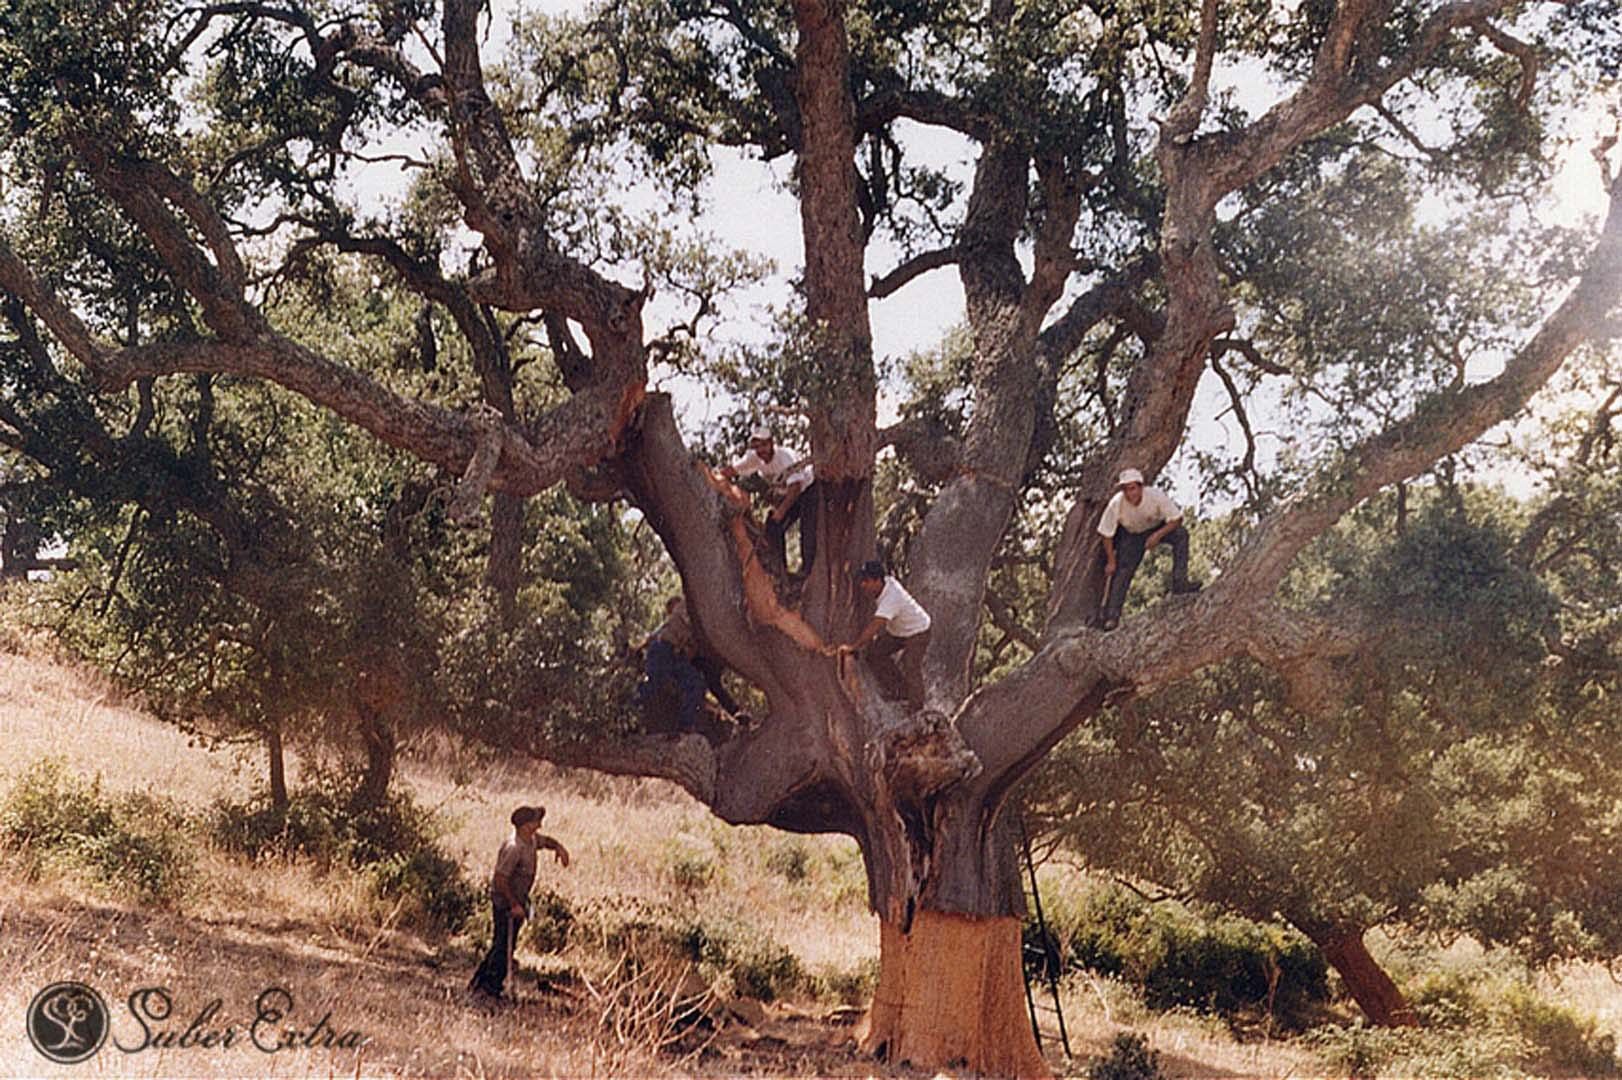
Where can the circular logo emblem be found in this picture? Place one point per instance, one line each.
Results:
(67, 1022)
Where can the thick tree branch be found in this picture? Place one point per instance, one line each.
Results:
(1114, 297)
(1185, 117)
(1006, 619)
(926, 446)
(1442, 424)
(912, 268)
(578, 432)
(1199, 172)
(1510, 45)
(688, 760)
(1232, 616)
(925, 107)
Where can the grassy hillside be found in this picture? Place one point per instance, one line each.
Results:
(664, 914)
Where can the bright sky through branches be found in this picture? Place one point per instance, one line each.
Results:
(748, 207)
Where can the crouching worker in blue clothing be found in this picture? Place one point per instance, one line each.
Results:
(1136, 520)
(676, 672)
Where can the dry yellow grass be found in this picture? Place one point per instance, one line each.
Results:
(49, 710)
(242, 928)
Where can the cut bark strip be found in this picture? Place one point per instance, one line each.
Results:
(760, 593)
(951, 995)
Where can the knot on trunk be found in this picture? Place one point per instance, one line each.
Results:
(924, 754)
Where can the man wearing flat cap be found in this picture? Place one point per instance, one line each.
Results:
(1137, 519)
(790, 478)
(509, 895)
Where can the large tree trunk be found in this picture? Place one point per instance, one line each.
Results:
(1365, 979)
(951, 994)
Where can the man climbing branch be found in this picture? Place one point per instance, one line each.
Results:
(1135, 521)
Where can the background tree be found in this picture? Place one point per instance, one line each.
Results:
(1114, 190)
(1442, 776)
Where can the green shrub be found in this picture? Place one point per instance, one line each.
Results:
(791, 861)
(1223, 965)
(1362, 1053)
(553, 924)
(309, 826)
(756, 965)
(135, 841)
(848, 986)
(1130, 1058)
(396, 845)
(429, 878)
(1561, 1035)
(765, 970)
(1447, 999)
(692, 872)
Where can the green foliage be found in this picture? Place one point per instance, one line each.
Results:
(1444, 776)
(758, 966)
(1223, 965)
(553, 923)
(692, 871)
(848, 986)
(1480, 999)
(1563, 1036)
(1362, 1053)
(722, 949)
(1130, 1058)
(395, 845)
(791, 860)
(137, 841)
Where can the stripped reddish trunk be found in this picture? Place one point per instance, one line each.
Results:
(1379, 998)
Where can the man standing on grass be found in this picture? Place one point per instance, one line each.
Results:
(1136, 520)
(899, 624)
(509, 895)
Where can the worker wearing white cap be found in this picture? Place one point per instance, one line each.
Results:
(791, 477)
(1136, 519)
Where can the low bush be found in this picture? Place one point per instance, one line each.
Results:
(1485, 999)
(138, 842)
(723, 950)
(1224, 965)
(1130, 1058)
(553, 924)
(692, 872)
(1561, 1035)
(758, 966)
(790, 860)
(847, 986)
(396, 845)
(1363, 1053)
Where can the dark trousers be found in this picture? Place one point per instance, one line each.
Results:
(671, 676)
(1130, 548)
(804, 511)
(906, 681)
(492, 973)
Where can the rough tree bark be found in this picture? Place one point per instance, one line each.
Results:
(1379, 998)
